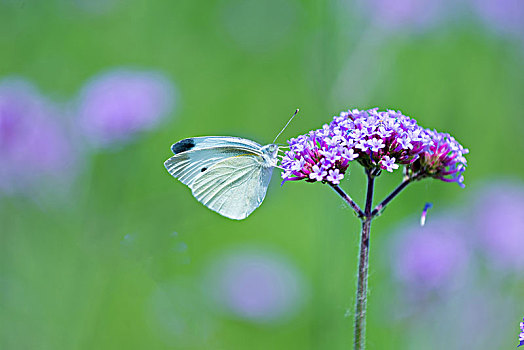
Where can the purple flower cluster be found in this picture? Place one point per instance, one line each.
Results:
(378, 141)
(443, 160)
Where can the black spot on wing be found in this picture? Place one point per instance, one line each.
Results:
(183, 146)
(203, 169)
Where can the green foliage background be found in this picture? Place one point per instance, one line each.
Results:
(67, 281)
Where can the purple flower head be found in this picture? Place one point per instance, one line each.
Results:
(431, 257)
(256, 285)
(443, 160)
(116, 105)
(33, 145)
(377, 140)
(498, 216)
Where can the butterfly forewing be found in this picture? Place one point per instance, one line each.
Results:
(234, 187)
(186, 166)
(229, 175)
(213, 142)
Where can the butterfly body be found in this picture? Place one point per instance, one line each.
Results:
(229, 175)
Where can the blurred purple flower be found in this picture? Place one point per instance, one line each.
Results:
(499, 219)
(429, 258)
(503, 16)
(114, 106)
(448, 323)
(33, 145)
(255, 285)
(398, 14)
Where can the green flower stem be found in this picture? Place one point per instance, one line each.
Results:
(389, 198)
(393, 194)
(366, 217)
(363, 266)
(348, 200)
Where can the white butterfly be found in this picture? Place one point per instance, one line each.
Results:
(229, 175)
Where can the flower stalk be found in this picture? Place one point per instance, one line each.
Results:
(379, 142)
(366, 218)
(348, 200)
(363, 266)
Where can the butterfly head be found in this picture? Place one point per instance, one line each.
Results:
(270, 153)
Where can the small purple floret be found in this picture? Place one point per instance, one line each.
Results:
(334, 176)
(388, 163)
(317, 173)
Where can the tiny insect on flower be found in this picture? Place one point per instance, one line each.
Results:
(424, 213)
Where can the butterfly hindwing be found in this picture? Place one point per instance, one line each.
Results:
(233, 187)
(229, 175)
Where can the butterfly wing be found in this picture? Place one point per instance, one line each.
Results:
(187, 166)
(207, 142)
(194, 156)
(235, 186)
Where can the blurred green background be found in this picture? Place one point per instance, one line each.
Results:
(119, 256)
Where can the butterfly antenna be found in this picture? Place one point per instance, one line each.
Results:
(290, 119)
